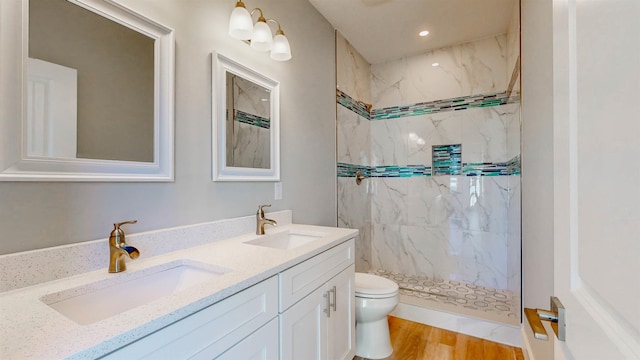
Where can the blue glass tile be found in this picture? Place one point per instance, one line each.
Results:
(250, 119)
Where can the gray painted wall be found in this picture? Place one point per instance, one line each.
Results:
(37, 215)
(537, 153)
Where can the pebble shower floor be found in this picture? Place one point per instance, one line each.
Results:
(501, 305)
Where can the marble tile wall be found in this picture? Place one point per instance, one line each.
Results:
(251, 146)
(473, 68)
(464, 227)
(488, 134)
(513, 52)
(250, 97)
(354, 207)
(445, 227)
(353, 72)
(354, 145)
(448, 227)
(354, 137)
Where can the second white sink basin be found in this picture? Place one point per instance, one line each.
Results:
(100, 300)
(287, 240)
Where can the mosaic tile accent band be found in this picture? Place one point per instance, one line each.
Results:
(512, 167)
(431, 107)
(251, 119)
(401, 171)
(349, 170)
(447, 159)
(352, 104)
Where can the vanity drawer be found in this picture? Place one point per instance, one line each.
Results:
(261, 345)
(300, 280)
(210, 331)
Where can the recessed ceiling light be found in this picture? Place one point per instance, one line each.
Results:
(423, 33)
(435, 64)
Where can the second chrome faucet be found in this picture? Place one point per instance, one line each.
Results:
(261, 221)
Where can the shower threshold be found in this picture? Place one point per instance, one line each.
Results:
(485, 303)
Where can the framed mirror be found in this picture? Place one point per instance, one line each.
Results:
(246, 123)
(93, 98)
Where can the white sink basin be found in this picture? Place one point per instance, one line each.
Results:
(100, 300)
(287, 240)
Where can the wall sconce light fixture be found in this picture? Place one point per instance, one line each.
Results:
(259, 35)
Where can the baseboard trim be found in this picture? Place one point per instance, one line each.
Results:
(484, 329)
(526, 346)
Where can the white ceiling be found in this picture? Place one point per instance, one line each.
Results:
(384, 30)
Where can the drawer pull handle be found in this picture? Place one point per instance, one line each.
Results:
(335, 298)
(328, 308)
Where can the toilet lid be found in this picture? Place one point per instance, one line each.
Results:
(367, 284)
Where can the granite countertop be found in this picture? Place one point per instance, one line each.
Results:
(33, 330)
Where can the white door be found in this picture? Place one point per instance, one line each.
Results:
(596, 67)
(52, 110)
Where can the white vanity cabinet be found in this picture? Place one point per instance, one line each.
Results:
(317, 313)
(212, 332)
(305, 312)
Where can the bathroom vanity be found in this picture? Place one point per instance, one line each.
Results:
(285, 295)
(312, 302)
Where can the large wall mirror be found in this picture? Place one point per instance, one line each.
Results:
(245, 123)
(92, 99)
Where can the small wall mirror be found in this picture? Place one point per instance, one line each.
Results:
(246, 135)
(95, 93)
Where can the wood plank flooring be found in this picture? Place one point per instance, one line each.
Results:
(415, 341)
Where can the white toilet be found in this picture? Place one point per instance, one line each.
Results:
(376, 297)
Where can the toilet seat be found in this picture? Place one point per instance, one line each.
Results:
(374, 287)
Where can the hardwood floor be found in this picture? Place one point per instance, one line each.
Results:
(414, 341)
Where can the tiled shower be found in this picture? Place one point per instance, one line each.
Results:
(439, 147)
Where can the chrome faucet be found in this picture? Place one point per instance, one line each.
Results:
(118, 248)
(261, 221)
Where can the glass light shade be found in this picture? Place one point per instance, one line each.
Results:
(281, 51)
(240, 24)
(261, 40)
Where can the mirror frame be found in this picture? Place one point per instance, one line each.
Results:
(220, 170)
(16, 166)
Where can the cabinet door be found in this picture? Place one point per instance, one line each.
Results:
(342, 323)
(303, 328)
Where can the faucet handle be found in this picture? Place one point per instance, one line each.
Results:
(261, 210)
(117, 225)
(117, 233)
